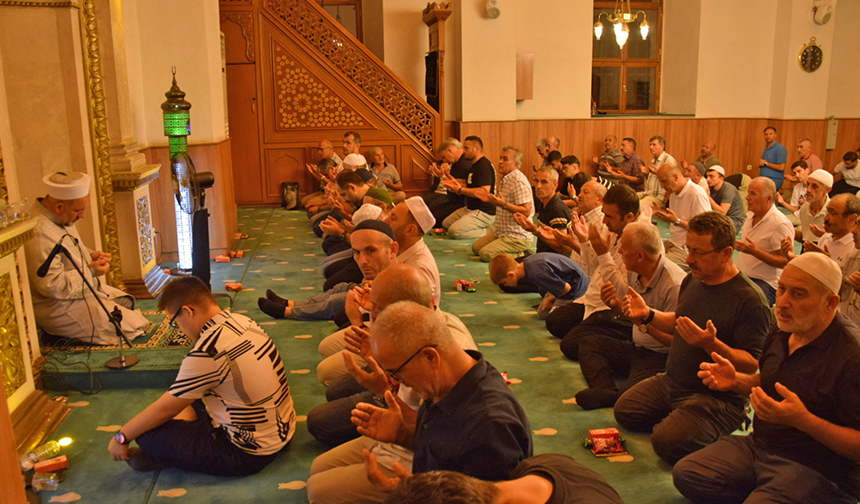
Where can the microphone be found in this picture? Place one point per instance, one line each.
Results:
(43, 269)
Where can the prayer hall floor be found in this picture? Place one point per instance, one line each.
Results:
(283, 254)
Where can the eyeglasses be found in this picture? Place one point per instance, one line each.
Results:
(393, 374)
(172, 322)
(699, 253)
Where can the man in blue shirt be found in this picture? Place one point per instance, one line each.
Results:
(773, 159)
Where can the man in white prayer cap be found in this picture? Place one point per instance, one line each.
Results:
(805, 444)
(63, 305)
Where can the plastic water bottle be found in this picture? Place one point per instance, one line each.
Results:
(45, 481)
(47, 451)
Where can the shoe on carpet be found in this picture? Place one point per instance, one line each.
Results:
(271, 308)
(271, 296)
(594, 398)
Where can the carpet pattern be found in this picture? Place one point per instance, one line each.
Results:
(281, 253)
(158, 335)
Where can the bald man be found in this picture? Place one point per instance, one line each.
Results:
(686, 200)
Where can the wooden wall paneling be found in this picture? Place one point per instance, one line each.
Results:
(282, 164)
(239, 34)
(219, 199)
(412, 163)
(244, 131)
(847, 139)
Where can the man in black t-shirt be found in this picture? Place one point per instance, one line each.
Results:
(719, 310)
(549, 208)
(474, 220)
(805, 445)
(455, 165)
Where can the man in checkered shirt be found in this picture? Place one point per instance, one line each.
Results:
(514, 197)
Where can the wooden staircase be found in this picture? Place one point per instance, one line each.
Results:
(295, 76)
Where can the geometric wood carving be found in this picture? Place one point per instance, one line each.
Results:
(303, 101)
(246, 21)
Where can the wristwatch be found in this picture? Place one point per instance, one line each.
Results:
(677, 222)
(120, 438)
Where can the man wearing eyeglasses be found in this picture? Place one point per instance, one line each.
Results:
(760, 256)
(229, 412)
(469, 421)
(719, 310)
(839, 218)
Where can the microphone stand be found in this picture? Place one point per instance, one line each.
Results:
(115, 317)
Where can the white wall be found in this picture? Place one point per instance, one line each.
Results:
(559, 34)
(798, 94)
(189, 40)
(843, 94)
(679, 72)
(722, 58)
(735, 58)
(407, 40)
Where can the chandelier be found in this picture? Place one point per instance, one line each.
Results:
(619, 18)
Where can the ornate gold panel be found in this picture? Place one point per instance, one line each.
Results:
(144, 226)
(302, 101)
(11, 354)
(332, 42)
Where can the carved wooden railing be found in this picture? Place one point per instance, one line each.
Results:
(362, 67)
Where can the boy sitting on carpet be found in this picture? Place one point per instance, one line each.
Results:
(559, 276)
(229, 412)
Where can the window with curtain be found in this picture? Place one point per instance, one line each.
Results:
(626, 80)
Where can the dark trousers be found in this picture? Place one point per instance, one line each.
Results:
(441, 208)
(330, 423)
(346, 271)
(842, 187)
(733, 470)
(679, 425)
(198, 446)
(560, 321)
(601, 357)
(334, 244)
(604, 322)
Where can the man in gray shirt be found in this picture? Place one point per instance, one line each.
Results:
(725, 198)
(652, 277)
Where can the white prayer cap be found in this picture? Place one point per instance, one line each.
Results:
(366, 212)
(71, 186)
(822, 176)
(821, 268)
(719, 169)
(421, 213)
(355, 160)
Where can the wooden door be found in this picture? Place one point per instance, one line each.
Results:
(243, 109)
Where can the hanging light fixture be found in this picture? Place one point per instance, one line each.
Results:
(621, 16)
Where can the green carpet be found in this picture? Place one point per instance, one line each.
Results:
(284, 255)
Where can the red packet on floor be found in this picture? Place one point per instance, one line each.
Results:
(240, 253)
(222, 258)
(606, 442)
(240, 236)
(52, 465)
(233, 287)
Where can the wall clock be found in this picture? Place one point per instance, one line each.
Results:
(810, 56)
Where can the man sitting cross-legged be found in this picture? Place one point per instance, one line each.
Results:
(601, 260)
(719, 310)
(374, 249)
(230, 404)
(331, 422)
(805, 446)
(652, 279)
(469, 420)
(515, 197)
(551, 478)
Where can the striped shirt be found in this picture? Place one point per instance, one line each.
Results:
(236, 370)
(516, 190)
